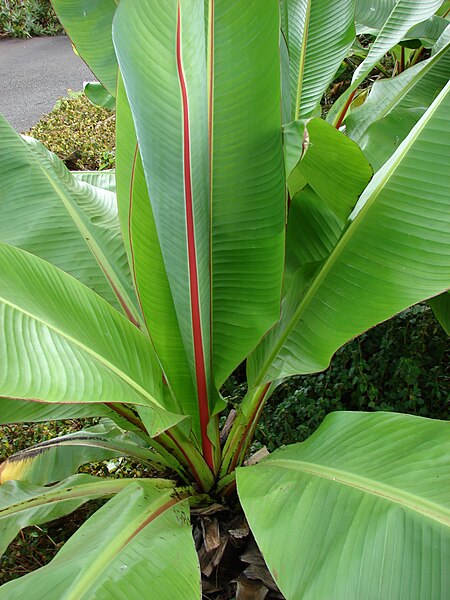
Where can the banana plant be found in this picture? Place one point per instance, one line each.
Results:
(238, 226)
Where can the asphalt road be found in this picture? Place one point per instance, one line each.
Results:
(34, 73)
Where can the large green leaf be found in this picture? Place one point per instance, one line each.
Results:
(208, 184)
(371, 16)
(126, 155)
(399, 107)
(63, 343)
(415, 88)
(156, 299)
(139, 543)
(312, 232)
(248, 187)
(394, 253)
(174, 196)
(331, 164)
(404, 14)
(426, 33)
(335, 172)
(23, 504)
(318, 36)
(177, 173)
(362, 509)
(99, 96)
(62, 219)
(103, 179)
(147, 265)
(23, 411)
(61, 457)
(89, 25)
(383, 137)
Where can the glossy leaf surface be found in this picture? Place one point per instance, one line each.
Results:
(23, 504)
(139, 543)
(62, 219)
(362, 509)
(64, 343)
(318, 36)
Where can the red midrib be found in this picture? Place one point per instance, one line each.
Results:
(200, 371)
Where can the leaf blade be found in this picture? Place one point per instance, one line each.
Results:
(144, 528)
(65, 343)
(49, 212)
(318, 36)
(403, 15)
(375, 269)
(383, 506)
(23, 504)
(89, 26)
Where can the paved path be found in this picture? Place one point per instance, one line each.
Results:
(34, 73)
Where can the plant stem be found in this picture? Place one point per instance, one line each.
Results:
(383, 70)
(162, 444)
(243, 428)
(417, 54)
(227, 485)
(345, 109)
(127, 414)
(182, 449)
(179, 453)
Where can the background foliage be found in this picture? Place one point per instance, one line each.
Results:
(27, 18)
(82, 135)
(401, 365)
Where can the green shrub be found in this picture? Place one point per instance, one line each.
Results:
(18, 436)
(27, 18)
(82, 135)
(400, 365)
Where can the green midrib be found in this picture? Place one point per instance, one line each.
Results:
(301, 68)
(91, 243)
(382, 490)
(110, 366)
(103, 560)
(88, 490)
